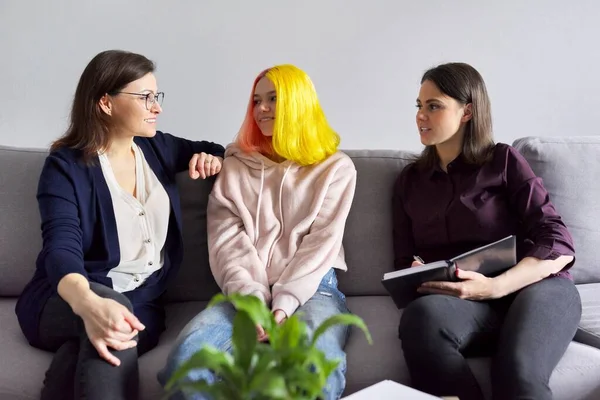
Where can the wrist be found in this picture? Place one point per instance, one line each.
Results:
(83, 302)
(498, 287)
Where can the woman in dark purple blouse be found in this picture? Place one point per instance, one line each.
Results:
(463, 192)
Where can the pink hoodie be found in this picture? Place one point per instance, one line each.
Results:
(275, 229)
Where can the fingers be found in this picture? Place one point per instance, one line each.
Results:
(119, 345)
(430, 290)
(203, 165)
(462, 274)
(123, 337)
(192, 166)
(133, 320)
(102, 350)
(215, 166)
(449, 288)
(261, 334)
(260, 331)
(280, 316)
(416, 264)
(209, 166)
(443, 285)
(121, 326)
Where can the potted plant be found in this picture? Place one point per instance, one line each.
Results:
(289, 366)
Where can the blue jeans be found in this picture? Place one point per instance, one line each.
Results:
(214, 326)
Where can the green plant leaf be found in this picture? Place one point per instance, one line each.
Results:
(244, 340)
(193, 387)
(317, 363)
(302, 382)
(258, 312)
(270, 385)
(342, 319)
(289, 334)
(207, 357)
(265, 358)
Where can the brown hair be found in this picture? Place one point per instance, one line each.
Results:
(463, 83)
(108, 72)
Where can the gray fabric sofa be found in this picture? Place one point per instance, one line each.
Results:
(570, 168)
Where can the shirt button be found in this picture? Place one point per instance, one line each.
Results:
(147, 240)
(141, 214)
(136, 277)
(150, 263)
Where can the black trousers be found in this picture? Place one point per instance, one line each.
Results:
(77, 371)
(526, 334)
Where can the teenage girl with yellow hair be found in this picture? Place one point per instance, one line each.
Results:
(276, 219)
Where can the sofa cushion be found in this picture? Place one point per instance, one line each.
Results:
(589, 327)
(20, 234)
(577, 375)
(22, 367)
(369, 364)
(569, 168)
(178, 315)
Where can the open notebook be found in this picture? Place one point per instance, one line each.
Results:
(489, 260)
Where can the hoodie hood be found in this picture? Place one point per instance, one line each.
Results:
(254, 160)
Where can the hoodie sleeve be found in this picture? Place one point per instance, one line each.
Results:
(321, 247)
(233, 258)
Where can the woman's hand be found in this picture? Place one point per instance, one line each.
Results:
(474, 286)
(108, 324)
(261, 335)
(203, 165)
(279, 316)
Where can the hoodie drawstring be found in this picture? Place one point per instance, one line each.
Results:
(280, 216)
(262, 183)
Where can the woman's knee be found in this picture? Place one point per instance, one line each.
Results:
(517, 375)
(108, 293)
(421, 316)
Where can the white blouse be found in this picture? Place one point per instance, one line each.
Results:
(142, 223)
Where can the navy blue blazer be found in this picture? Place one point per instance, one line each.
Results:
(79, 231)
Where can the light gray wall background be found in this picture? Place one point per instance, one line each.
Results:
(539, 58)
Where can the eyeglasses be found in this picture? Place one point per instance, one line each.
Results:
(150, 98)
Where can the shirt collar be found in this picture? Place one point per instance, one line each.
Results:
(458, 165)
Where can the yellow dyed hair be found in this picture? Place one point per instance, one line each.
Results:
(301, 132)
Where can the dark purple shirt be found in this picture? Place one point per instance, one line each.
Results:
(439, 215)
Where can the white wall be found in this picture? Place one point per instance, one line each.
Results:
(540, 60)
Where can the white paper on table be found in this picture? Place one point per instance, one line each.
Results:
(389, 390)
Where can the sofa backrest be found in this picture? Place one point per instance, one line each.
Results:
(20, 236)
(570, 169)
(568, 166)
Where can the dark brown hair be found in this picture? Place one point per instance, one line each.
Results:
(463, 83)
(108, 72)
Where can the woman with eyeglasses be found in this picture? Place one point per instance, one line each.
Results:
(111, 228)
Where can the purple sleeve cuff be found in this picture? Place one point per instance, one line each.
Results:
(548, 253)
